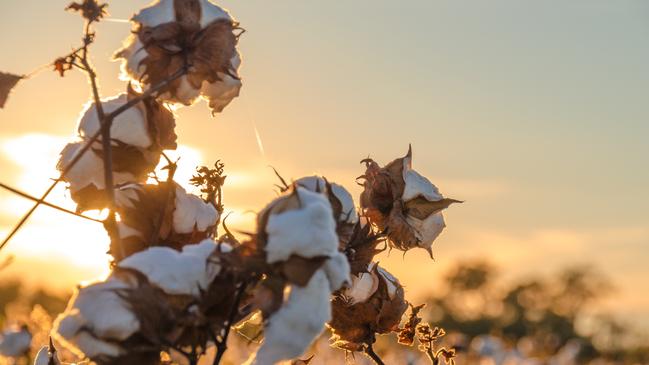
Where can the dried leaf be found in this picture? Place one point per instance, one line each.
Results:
(421, 208)
(407, 333)
(7, 83)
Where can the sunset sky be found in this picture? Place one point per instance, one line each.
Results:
(535, 113)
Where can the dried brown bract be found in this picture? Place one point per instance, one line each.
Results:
(7, 83)
(363, 247)
(404, 203)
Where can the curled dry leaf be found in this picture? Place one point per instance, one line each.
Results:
(7, 83)
(400, 201)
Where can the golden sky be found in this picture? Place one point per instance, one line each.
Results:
(534, 113)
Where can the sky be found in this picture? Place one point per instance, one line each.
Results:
(534, 113)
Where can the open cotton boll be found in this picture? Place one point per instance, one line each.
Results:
(337, 270)
(308, 231)
(95, 316)
(192, 213)
(160, 12)
(363, 286)
(89, 170)
(130, 127)
(297, 323)
(164, 11)
(390, 281)
(418, 185)
(211, 12)
(178, 273)
(15, 342)
(132, 54)
(219, 94)
(348, 212)
(427, 230)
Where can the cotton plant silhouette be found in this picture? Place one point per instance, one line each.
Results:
(177, 288)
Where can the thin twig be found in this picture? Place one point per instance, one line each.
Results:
(33, 198)
(162, 85)
(222, 345)
(369, 351)
(107, 151)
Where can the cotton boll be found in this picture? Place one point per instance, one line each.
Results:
(160, 12)
(177, 273)
(69, 332)
(211, 12)
(95, 316)
(220, 93)
(429, 229)
(186, 94)
(89, 170)
(130, 127)
(15, 342)
(418, 185)
(362, 287)
(348, 214)
(192, 213)
(337, 270)
(308, 232)
(102, 310)
(390, 281)
(297, 323)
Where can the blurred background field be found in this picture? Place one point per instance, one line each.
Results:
(529, 321)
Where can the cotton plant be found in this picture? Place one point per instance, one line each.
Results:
(176, 288)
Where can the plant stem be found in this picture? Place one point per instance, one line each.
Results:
(222, 345)
(116, 249)
(369, 351)
(27, 196)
